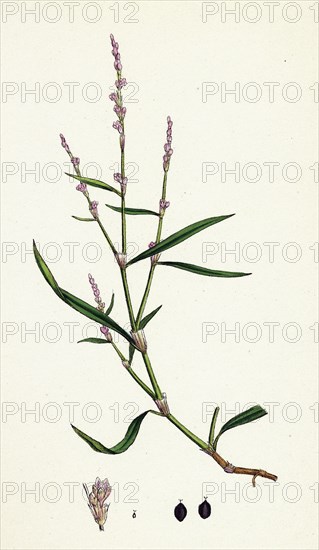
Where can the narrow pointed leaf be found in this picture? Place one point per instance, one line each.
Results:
(148, 317)
(245, 417)
(47, 274)
(84, 219)
(93, 313)
(133, 211)
(109, 309)
(123, 445)
(178, 237)
(199, 270)
(143, 324)
(95, 183)
(131, 354)
(75, 302)
(94, 341)
(212, 426)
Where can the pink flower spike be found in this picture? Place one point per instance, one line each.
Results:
(75, 161)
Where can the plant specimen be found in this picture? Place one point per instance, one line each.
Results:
(101, 490)
(138, 320)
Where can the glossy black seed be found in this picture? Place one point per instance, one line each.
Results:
(180, 512)
(204, 509)
(134, 514)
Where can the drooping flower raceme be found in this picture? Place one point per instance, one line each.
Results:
(118, 108)
(97, 294)
(101, 490)
(76, 162)
(100, 306)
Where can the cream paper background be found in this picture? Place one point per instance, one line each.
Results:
(168, 53)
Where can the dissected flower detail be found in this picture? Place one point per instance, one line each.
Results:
(155, 258)
(101, 490)
(121, 259)
(167, 147)
(93, 209)
(97, 294)
(162, 404)
(107, 334)
(140, 340)
(163, 204)
(122, 181)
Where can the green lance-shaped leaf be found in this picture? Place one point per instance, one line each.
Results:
(178, 237)
(133, 211)
(109, 309)
(94, 341)
(123, 445)
(84, 219)
(199, 270)
(250, 415)
(149, 317)
(143, 324)
(93, 313)
(212, 426)
(47, 274)
(95, 183)
(75, 302)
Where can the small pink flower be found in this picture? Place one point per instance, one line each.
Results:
(93, 209)
(81, 187)
(75, 161)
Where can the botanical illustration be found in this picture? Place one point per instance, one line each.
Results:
(153, 257)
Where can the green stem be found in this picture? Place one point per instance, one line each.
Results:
(145, 295)
(128, 299)
(157, 389)
(132, 373)
(152, 268)
(119, 353)
(106, 235)
(141, 383)
(187, 432)
(123, 217)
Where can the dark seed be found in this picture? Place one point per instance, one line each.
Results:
(134, 514)
(180, 511)
(204, 509)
